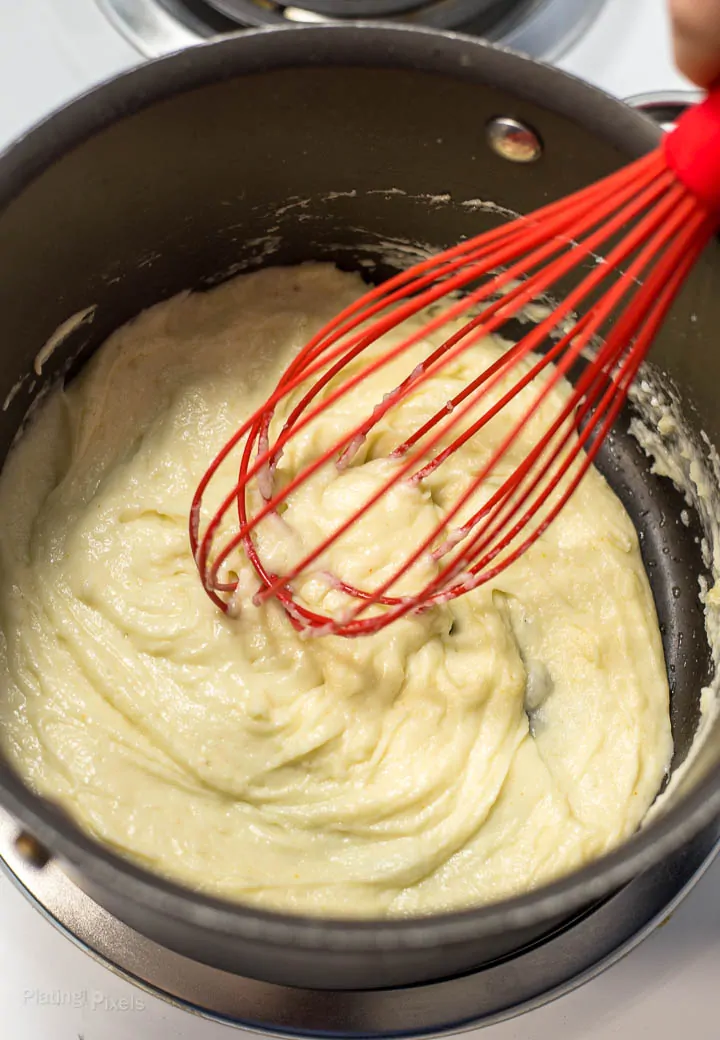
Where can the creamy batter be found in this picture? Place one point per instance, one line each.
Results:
(461, 756)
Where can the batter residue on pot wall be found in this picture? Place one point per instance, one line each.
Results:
(458, 757)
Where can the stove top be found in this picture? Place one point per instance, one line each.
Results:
(51, 50)
(51, 988)
(541, 28)
(533, 976)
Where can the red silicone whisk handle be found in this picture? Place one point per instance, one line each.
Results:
(692, 150)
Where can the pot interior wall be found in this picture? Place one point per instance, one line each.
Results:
(344, 164)
(178, 193)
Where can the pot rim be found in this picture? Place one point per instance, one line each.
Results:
(361, 45)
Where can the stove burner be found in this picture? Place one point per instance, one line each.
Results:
(359, 8)
(440, 14)
(539, 28)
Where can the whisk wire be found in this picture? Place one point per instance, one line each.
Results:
(678, 264)
(529, 343)
(640, 228)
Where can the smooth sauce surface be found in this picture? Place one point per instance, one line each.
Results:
(458, 757)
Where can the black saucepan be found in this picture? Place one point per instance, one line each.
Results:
(186, 169)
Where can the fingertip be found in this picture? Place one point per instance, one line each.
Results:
(701, 68)
(696, 39)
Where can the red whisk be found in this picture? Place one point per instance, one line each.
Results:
(655, 216)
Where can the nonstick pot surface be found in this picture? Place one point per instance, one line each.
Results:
(352, 145)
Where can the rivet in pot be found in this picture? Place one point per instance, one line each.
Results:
(34, 854)
(513, 140)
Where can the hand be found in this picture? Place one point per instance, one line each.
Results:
(696, 35)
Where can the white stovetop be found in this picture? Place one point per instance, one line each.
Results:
(51, 50)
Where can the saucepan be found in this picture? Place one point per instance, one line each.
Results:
(362, 145)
